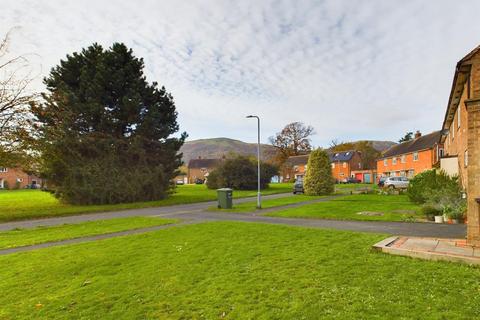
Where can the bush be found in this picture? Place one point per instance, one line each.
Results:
(240, 173)
(430, 211)
(318, 179)
(430, 186)
(6, 185)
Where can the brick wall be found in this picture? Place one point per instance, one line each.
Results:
(407, 167)
(12, 175)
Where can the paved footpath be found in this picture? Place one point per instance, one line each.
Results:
(197, 213)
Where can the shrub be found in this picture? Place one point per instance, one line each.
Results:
(17, 185)
(318, 178)
(429, 186)
(430, 211)
(240, 173)
(6, 185)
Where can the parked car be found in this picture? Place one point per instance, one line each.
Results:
(199, 181)
(381, 181)
(179, 182)
(298, 187)
(396, 183)
(351, 180)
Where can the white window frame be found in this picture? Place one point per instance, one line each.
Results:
(344, 164)
(333, 165)
(394, 161)
(403, 159)
(415, 156)
(3, 170)
(385, 162)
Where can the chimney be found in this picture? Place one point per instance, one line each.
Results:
(418, 134)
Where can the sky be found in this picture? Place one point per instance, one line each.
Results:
(351, 69)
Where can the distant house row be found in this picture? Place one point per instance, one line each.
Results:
(16, 178)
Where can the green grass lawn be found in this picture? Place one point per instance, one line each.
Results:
(25, 237)
(267, 203)
(393, 207)
(28, 204)
(234, 271)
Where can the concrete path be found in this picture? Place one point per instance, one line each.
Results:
(197, 213)
(155, 211)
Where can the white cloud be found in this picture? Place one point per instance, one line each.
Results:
(363, 69)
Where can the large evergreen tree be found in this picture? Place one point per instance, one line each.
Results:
(318, 179)
(105, 132)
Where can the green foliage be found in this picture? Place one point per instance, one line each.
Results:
(432, 186)
(318, 178)
(407, 137)
(240, 173)
(105, 132)
(430, 211)
(17, 185)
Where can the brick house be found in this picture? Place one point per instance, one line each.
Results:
(343, 163)
(461, 136)
(201, 168)
(412, 157)
(15, 178)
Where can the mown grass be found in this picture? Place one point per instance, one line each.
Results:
(267, 203)
(28, 204)
(25, 237)
(392, 208)
(234, 271)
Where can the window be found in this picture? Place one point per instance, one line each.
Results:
(385, 162)
(465, 158)
(359, 165)
(305, 167)
(394, 161)
(459, 115)
(415, 156)
(3, 169)
(295, 168)
(19, 180)
(344, 164)
(333, 165)
(440, 153)
(403, 159)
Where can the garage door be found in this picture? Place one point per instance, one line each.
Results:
(359, 176)
(367, 178)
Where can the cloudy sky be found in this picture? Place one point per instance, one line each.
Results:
(351, 69)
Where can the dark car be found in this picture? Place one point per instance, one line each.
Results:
(352, 180)
(381, 181)
(199, 181)
(298, 187)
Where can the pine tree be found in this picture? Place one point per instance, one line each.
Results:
(105, 132)
(318, 178)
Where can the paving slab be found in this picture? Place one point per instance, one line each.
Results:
(438, 249)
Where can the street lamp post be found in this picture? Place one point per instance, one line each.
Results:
(259, 195)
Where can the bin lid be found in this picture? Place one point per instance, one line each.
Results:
(224, 189)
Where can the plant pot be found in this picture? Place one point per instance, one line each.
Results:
(438, 219)
(455, 221)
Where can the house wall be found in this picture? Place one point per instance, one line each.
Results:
(197, 173)
(457, 139)
(410, 167)
(13, 175)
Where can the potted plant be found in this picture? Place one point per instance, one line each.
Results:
(455, 211)
(432, 213)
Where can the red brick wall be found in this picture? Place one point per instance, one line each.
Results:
(426, 160)
(13, 175)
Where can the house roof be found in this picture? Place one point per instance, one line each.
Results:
(203, 163)
(298, 160)
(462, 73)
(422, 143)
(341, 156)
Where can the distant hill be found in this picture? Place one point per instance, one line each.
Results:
(219, 147)
(382, 145)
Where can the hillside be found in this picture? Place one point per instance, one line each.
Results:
(382, 145)
(218, 147)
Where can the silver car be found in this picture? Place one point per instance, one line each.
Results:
(396, 183)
